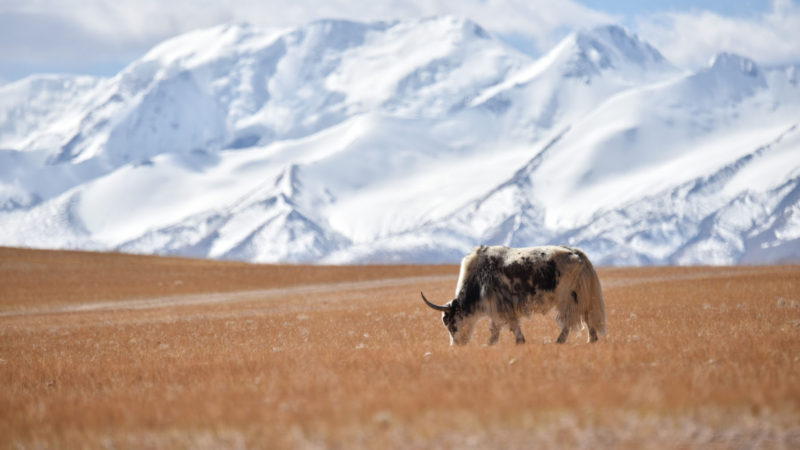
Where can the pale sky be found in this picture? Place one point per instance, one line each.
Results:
(100, 37)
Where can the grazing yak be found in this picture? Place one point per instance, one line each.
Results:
(508, 283)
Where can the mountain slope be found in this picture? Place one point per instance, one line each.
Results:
(680, 171)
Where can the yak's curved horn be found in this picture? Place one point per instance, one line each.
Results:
(433, 305)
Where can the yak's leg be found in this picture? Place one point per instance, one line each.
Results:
(514, 325)
(563, 336)
(494, 329)
(592, 331)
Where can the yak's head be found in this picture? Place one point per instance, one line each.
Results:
(460, 325)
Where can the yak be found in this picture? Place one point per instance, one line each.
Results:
(506, 284)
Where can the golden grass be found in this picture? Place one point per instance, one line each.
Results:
(349, 357)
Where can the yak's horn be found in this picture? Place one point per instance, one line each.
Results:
(434, 306)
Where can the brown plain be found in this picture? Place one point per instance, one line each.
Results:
(108, 350)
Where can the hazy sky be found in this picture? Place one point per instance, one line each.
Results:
(100, 37)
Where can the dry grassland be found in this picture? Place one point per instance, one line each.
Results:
(101, 350)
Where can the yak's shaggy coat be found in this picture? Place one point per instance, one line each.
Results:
(508, 283)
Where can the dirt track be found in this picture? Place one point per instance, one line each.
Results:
(229, 297)
(99, 350)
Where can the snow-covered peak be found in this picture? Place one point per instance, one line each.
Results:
(729, 78)
(585, 69)
(612, 47)
(34, 110)
(236, 40)
(212, 45)
(733, 63)
(618, 43)
(237, 86)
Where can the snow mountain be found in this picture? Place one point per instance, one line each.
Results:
(405, 141)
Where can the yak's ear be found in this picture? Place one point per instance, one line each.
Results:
(454, 307)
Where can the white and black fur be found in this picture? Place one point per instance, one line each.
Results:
(505, 284)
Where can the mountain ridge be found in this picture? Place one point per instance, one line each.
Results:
(403, 141)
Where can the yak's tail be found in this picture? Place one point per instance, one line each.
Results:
(591, 295)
